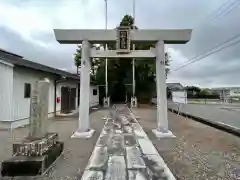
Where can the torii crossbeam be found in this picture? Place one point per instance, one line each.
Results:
(100, 36)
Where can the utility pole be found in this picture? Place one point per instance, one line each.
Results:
(106, 100)
(133, 99)
(106, 60)
(133, 61)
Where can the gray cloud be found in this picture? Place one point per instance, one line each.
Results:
(219, 69)
(215, 70)
(56, 55)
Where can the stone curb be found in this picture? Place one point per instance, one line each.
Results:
(217, 125)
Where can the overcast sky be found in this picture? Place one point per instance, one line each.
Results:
(26, 28)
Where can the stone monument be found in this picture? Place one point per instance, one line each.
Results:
(40, 148)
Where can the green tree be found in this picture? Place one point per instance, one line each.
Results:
(77, 57)
(95, 62)
(203, 93)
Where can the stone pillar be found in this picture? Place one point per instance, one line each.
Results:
(162, 118)
(83, 123)
(39, 109)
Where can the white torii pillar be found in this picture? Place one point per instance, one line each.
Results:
(83, 130)
(159, 37)
(162, 130)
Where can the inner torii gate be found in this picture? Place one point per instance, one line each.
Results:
(123, 36)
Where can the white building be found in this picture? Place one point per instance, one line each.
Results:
(227, 92)
(17, 77)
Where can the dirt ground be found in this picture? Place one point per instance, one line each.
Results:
(199, 152)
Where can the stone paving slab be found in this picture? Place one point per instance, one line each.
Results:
(127, 130)
(129, 140)
(136, 175)
(116, 145)
(103, 140)
(147, 147)
(134, 159)
(93, 175)
(116, 168)
(98, 159)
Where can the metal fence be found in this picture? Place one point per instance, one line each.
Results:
(206, 101)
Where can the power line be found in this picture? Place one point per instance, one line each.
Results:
(212, 48)
(180, 67)
(219, 8)
(217, 46)
(217, 13)
(227, 11)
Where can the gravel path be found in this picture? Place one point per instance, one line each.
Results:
(200, 152)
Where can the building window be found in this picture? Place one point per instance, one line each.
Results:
(27, 90)
(95, 92)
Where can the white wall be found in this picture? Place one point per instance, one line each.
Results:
(21, 105)
(14, 108)
(6, 91)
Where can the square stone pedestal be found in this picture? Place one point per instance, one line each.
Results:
(166, 140)
(133, 102)
(32, 157)
(84, 135)
(106, 102)
(160, 134)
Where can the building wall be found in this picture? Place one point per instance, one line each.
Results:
(235, 92)
(16, 110)
(228, 92)
(6, 91)
(21, 105)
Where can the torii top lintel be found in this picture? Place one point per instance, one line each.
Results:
(101, 36)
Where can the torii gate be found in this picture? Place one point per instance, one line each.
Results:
(123, 36)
